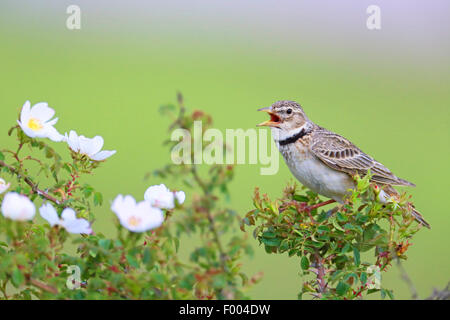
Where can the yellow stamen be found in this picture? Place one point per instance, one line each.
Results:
(35, 124)
(133, 221)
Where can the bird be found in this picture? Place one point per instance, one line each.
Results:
(324, 161)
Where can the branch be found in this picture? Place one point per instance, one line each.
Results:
(320, 273)
(212, 227)
(28, 181)
(407, 279)
(178, 121)
(440, 295)
(43, 286)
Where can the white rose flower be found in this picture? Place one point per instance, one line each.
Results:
(136, 217)
(35, 121)
(72, 224)
(48, 212)
(87, 146)
(18, 207)
(68, 220)
(4, 186)
(160, 196)
(180, 196)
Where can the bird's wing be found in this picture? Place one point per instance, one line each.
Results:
(342, 155)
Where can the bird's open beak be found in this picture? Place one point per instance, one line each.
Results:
(274, 119)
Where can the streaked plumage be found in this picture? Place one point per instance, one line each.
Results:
(324, 161)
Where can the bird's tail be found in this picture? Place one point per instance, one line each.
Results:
(419, 218)
(403, 182)
(389, 191)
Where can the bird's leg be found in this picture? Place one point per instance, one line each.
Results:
(321, 204)
(303, 207)
(308, 209)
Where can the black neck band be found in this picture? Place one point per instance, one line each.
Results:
(294, 138)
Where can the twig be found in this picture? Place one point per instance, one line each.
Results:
(28, 181)
(43, 286)
(212, 227)
(440, 295)
(181, 114)
(407, 279)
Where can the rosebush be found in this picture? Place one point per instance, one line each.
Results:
(39, 261)
(341, 252)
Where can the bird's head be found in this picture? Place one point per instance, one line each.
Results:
(285, 115)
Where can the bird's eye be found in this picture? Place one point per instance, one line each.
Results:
(289, 111)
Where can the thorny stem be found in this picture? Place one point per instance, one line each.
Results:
(28, 181)
(320, 273)
(407, 279)
(212, 227)
(43, 286)
(204, 187)
(19, 148)
(182, 111)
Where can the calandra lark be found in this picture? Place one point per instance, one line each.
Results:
(324, 161)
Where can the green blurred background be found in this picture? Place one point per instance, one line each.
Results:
(386, 90)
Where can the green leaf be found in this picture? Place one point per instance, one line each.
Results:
(356, 256)
(93, 253)
(335, 275)
(284, 246)
(87, 191)
(98, 199)
(304, 262)
(323, 229)
(300, 198)
(342, 288)
(147, 257)
(386, 292)
(341, 217)
(345, 248)
(67, 168)
(322, 217)
(269, 234)
(363, 278)
(370, 231)
(271, 242)
(336, 224)
(132, 261)
(356, 228)
(390, 294)
(314, 244)
(2, 157)
(361, 218)
(17, 277)
(370, 291)
(176, 242)
(188, 282)
(219, 281)
(104, 243)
